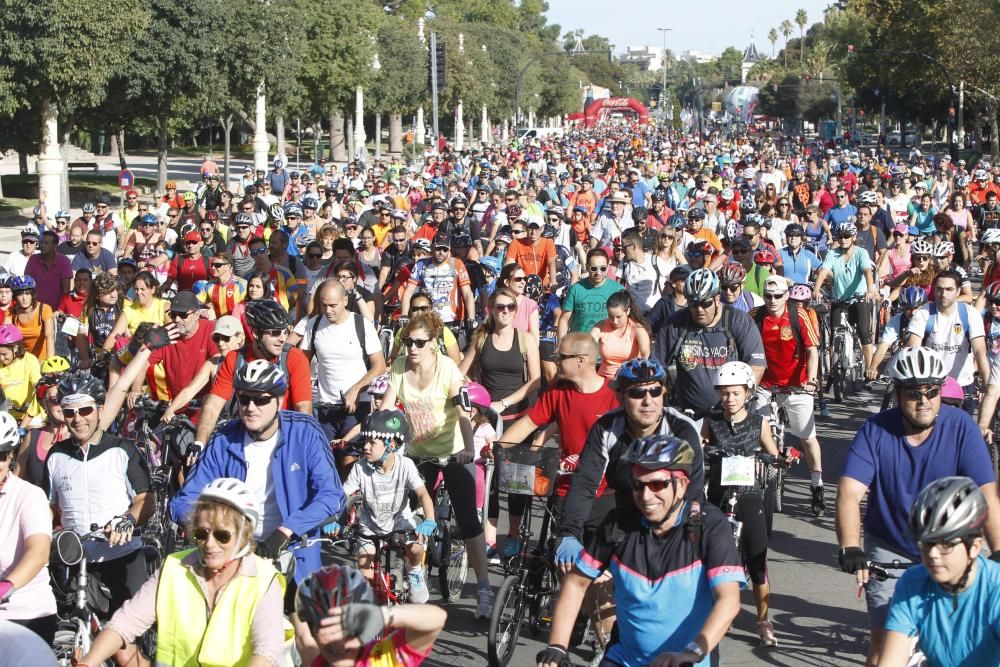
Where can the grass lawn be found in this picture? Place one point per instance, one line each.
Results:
(22, 191)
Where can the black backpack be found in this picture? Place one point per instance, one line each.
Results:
(359, 329)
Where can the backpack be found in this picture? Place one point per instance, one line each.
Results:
(206, 261)
(963, 350)
(758, 315)
(359, 329)
(519, 337)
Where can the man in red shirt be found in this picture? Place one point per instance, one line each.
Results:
(439, 216)
(534, 254)
(791, 348)
(192, 265)
(172, 368)
(268, 322)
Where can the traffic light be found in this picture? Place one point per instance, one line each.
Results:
(439, 56)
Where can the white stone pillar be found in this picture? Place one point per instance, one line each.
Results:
(378, 136)
(359, 122)
(484, 128)
(260, 144)
(419, 134)
(459, 127)
(50, 161)
(504, 135)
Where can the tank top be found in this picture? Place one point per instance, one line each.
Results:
(32, 327)
(959, 218)
(502, 373)
(740, 437)
(371, 269)
(35, 465)
(898, 265)
(816, 234)
(617, 347)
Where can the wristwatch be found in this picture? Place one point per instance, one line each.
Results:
(695, 647)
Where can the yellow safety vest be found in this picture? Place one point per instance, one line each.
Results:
(187, 636)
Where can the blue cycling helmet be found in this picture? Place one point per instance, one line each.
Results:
(22, 284)
(677, 221)
(639, 371)
(661, 452)
(912, 297)
(701, 285)
(148, 219)
(491, 263)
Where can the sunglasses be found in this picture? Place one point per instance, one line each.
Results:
(921, 258)
(641, 392)
(260, 401)
(419, 342)
(33, 242)
(704, 305)
(776, 296)
(179, 314)
(916, 394)
(519, 279)
(505, 307)
(219, 265)
(275, 333)
(221, 338)
(420, 309)
(732, 287)
(314, 255)
(844, 237)
(564, 357)
(518, 232)
(256, 252)
(654, 485)
(221, 536)
(69, 413)
(598, 269)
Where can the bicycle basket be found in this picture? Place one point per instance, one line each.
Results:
(68, 547)
(525, 471)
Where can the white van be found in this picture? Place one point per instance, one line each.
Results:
(528, 133)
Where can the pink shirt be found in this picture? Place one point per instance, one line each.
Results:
(24, 511)
(49, 279)
(522, 317)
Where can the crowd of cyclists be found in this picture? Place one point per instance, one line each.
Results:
(323, 348)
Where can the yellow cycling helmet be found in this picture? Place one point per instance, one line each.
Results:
(189, 196)
(54, 365)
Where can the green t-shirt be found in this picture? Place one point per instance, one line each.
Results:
(589, 304)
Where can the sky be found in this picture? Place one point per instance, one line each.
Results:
(707, 27)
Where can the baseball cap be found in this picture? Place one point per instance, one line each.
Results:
(776, 283)
(186, 301)
(901, 229)
(192, 236)
(227, 325)
(441, 239)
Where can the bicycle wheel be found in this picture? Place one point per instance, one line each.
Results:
(542, 605)
(385, 340)
(994, 456)
(505, 624)
(64, 643)
(457, 570)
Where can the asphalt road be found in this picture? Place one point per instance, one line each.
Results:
(817, 616)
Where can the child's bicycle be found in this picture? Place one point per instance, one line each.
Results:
(391, 585)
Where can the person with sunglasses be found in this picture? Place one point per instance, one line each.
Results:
(893, 456)
(286, 286)
(225, 291)
(586, 300)
(218, 602)
(93, 477)
(692, 612)
(190, 266)
(948, 600)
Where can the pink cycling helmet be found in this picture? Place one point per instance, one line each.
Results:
(950, 389)
(478, 395)
(10, 335)
(800, 293)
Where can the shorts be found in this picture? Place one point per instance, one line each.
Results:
(878, 594)
(335, 421)
(366, 544)
(800, 410)
(123, 577)
(859, 313)
(547, 351)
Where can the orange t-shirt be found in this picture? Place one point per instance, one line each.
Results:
(32, 327)
(533, 257)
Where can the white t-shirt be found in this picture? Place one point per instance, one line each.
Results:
(947, 337)
(339, 359)
(16, 262)
(24, 512)
(260, 481)
(385, 502)
(641, 281)
(891, 332)
(21, 646)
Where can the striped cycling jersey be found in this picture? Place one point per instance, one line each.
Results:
(224, 297)
(286, 286)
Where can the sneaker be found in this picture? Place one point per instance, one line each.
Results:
(818, 501)
(484, 606)
(766, 633)
(418, 587)
(824, 409)
(492, 555)
(510, 547)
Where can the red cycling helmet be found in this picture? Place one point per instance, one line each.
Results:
(732, 272)
(764, 256)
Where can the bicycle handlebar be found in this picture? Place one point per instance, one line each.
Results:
(764, 457)
(880, 570)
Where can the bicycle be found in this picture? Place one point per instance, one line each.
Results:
(528, 590)
(845, 357)
(446, 549)
(777, 417)
(737, 477)
(79, 625)
(391, 585)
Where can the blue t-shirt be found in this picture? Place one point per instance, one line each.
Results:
(848, 274)
(969, 635)
(639, 191)
(895, 472)
(800, 265)
(838, 214)
(588, 304)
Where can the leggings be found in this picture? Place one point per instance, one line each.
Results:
(753, 538)
(461, 484)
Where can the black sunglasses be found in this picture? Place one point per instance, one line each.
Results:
(654, 485)
(419, 342)
(219, 265)
(913, 394)
(219, 338)
(260, 401)
(221, 536)
(419, 309)
(564, 357)
(641, 392)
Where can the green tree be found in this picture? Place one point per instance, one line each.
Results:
(402, 82)
(786, 30)
(772, 36)
(801, 19)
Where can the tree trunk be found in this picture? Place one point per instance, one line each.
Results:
(120, 135)
(279, 130)
(227, 134)
(338, 152)
(395, 133)
(994, 143)
(66, 131)
(352, 154)
(113, 141)
(161, 154)
(22, 162)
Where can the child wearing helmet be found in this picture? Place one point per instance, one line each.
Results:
(384, 478)
(483, 436)
(20, 371)
(732, 430)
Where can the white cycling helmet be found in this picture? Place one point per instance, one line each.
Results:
(916, 366)
(980, 175)
(962, 181)
(944, 249)
(701, 285)
(236, 494)
(921, 247)
(727, 194)
(868, 197)
(10, 434)
(379, 385)
(990, 236)
(735, 374)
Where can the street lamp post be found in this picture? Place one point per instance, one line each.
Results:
(260, 144)
(663, 90)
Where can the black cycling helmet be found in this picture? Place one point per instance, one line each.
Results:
(328, 587)
(265, 315)
(661, 452)
(389, 425)
(533, 287)
(639, 371)
(549, 231)
(81, 382)
(639, 213)
(696, 214)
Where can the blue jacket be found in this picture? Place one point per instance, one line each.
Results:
(306, 484)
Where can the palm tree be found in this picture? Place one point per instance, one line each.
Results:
(786, 30)
(772, 37)
(801, 18)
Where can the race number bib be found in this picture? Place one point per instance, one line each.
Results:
(737, 471)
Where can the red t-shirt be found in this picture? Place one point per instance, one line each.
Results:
(786, 366)
(173, 367)
(72, 304)
(188, 271)
(299, 386)
(574, 412)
